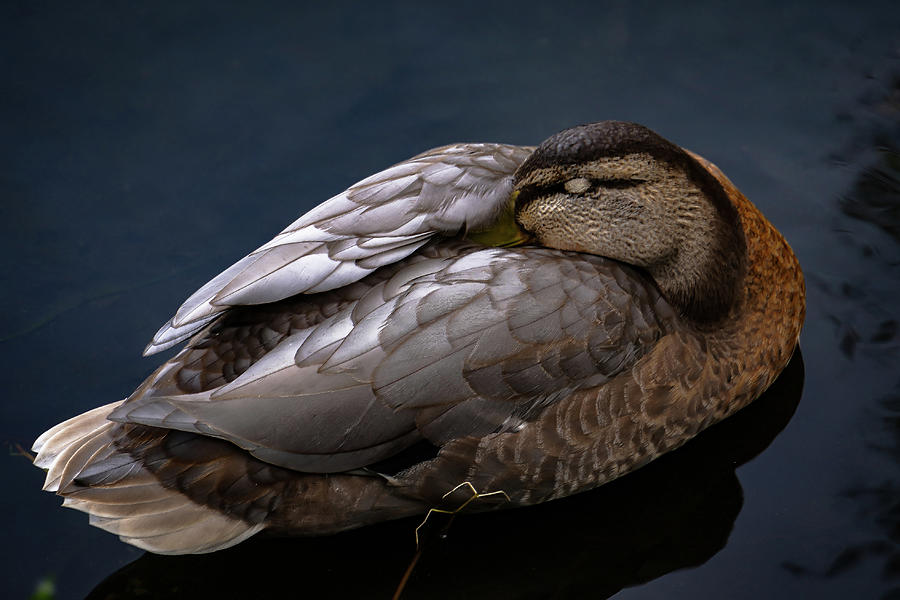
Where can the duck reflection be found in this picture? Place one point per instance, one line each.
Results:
(676, 512)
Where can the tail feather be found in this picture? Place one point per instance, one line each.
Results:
(210, 535)
(116, 510)
(56, 439)
(77, 456)
(118, 467)
(128, 493)
(85, 466)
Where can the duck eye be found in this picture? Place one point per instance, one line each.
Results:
(579, 185)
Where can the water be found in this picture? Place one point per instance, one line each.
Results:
(145, 148)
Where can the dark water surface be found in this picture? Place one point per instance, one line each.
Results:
(147, 147)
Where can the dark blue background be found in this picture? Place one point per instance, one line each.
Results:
(146, 146)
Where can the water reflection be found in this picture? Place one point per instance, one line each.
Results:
(875, 193)
(874, 198)
(675, 513)
(878, 504)
(870, 325)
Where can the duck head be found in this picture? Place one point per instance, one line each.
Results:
(621, 191)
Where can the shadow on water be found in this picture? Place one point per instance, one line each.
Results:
(675, 513)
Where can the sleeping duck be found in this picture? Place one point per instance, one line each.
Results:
(512, 322)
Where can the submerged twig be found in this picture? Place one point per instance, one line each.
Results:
(420, 547)
(475, 496)
(405, 578)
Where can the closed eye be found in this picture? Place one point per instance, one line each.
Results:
(527, 193)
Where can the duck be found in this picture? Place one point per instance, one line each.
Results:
(487, 325)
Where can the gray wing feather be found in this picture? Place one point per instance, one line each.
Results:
(379, 220)
(446, 346)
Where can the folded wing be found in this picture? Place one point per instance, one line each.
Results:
(378, 221)
(457, 340)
